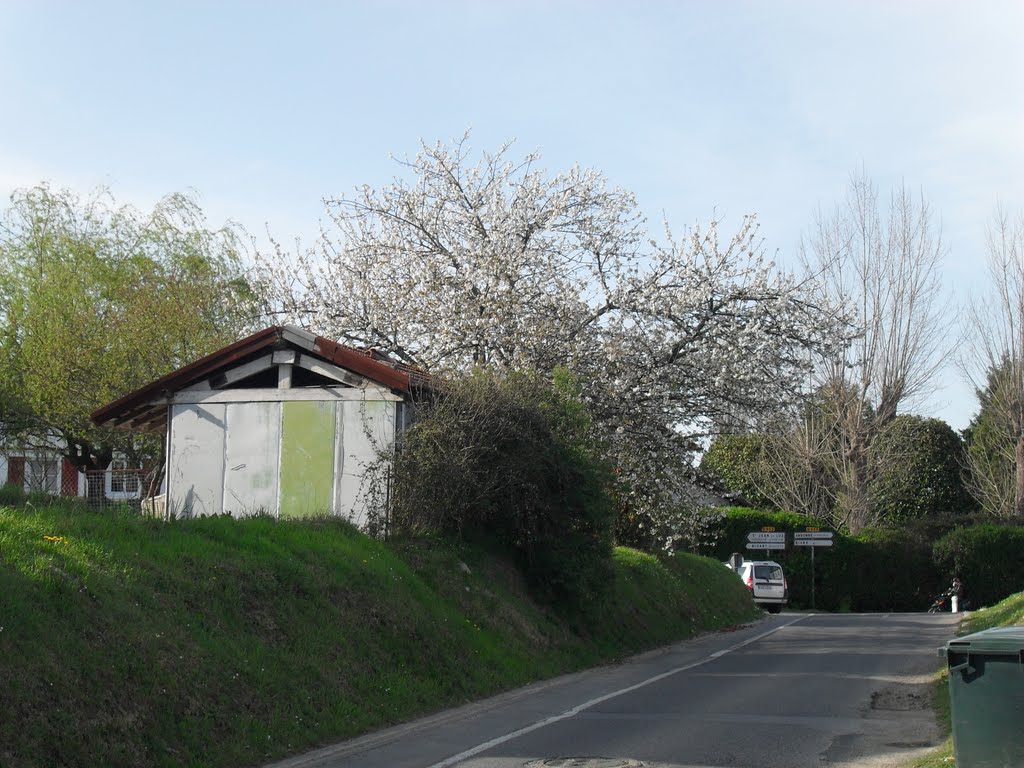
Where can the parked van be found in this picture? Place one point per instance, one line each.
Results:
(766, 582)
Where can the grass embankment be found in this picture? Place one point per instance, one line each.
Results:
(216, 642)
(1007, 613)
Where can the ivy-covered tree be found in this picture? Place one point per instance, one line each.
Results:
(918, 471)
(739, 463)
(991, 442)
(994, 360)
(97, 299)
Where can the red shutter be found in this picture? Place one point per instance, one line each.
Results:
(68, 478)
(16, 471)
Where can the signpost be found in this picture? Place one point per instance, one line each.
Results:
(813, 538)
(766, 539)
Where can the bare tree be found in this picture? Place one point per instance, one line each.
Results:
(995, 365)
(884, 268)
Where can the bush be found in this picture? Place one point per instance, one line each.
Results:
(509, 459)
(878, 570)
(734, 523)
(989, 559)
(890, 570)
(11, 495)
(738, 461)
(918, 465)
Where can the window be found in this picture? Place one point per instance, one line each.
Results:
(42, 474)
(124, 479)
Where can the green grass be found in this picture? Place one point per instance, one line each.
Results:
(1008, 612)
(216, 642)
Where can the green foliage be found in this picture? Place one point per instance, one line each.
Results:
(508, 458)
(97, 299)
(732, 527)
(991, 441)
(222, 642)
(739, 461)
(890, 570)
(11, 495)
(877, 570)
(989, 559)
(917, 471)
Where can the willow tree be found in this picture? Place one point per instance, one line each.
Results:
(97, 299)
(494, 261)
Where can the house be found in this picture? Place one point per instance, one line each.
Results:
(39, 468)
(38, 464)
(282, 422)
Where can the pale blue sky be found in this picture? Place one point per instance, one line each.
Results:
(263, 108)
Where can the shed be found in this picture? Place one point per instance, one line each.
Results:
(281, 422)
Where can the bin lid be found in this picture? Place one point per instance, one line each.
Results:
(995, 640)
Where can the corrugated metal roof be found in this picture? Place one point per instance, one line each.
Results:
(139, 410)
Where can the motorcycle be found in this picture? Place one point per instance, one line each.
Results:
(943, 603)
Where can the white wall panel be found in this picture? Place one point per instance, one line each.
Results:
(365, 429)
(195, 466)
(251, 454)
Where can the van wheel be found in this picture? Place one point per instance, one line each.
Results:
(774, 608)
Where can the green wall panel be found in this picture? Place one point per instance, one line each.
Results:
(307, 458)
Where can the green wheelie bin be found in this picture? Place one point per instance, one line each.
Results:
(986, 692)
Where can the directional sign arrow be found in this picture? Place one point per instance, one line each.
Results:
(798, 535)
(778, 536)
(811, 543)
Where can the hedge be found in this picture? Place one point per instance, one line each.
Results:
(989, 559)
(878, 570)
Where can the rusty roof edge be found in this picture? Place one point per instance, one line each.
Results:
(396, 376)
(362, 363)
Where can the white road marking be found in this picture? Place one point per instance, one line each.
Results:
(454, 759)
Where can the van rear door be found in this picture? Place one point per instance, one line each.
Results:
(768, 581)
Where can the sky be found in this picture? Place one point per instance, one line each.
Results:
(701, 109)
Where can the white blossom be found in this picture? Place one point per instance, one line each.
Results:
(498, 263)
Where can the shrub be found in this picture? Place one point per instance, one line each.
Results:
(734, 523)
(918, 471)
(891, 570)
(508, 458)
(11, 495)
(878, 570)
(738, 461)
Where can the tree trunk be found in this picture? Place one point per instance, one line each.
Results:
(1018, 495)
(858, 509)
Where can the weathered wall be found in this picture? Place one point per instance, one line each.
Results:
(293, 459)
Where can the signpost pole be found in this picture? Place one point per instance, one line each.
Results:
(813, 538)
(812, 577)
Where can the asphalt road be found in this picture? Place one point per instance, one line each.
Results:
(793, 690)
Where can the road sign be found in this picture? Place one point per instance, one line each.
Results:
(798, 535)
(812, 542)
(765, 545)
(778, 537)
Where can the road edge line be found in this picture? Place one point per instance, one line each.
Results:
(473, 751)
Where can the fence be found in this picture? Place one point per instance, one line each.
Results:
(108, 488)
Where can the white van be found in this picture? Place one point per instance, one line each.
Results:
(766, 582)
